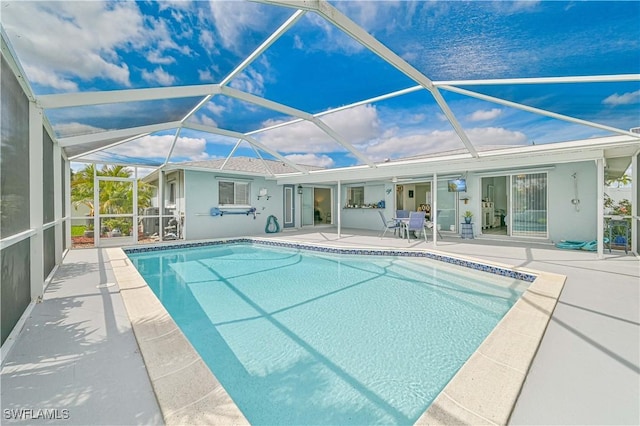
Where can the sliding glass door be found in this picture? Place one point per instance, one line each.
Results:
(529, 205)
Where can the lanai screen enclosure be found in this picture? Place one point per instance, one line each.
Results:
(311, 84)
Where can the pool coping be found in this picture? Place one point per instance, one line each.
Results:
(484, 390)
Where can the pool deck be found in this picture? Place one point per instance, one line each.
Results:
(586, 370)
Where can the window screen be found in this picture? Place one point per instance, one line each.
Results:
(233, 193)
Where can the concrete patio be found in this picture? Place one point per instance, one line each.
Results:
(587, 370)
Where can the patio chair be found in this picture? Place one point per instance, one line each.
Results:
(388, 224)
(416, 223)
(402, 213)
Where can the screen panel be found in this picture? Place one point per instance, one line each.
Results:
(16, 290)
(48, 211)
(14, 161)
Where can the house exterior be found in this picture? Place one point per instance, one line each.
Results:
(542, 193)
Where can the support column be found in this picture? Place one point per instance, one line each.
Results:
(97, 229)
(161, 177)
(134, 225)
(635, 199)
(600, 206)
(434, 208)
(67, 195)
(35, 199)
(57, 201)
(339, 210)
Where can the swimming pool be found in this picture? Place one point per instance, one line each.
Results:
(290, 345)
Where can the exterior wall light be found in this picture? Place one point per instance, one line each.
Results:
(300, 189)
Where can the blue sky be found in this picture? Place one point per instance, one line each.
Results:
(314, 67)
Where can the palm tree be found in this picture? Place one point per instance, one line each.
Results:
(116, 197)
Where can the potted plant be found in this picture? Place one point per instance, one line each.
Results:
(467, 216)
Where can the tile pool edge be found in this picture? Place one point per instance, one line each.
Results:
(185, 388)
(486, 387)
(493, 268)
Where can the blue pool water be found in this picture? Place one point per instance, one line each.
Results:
(300, 337)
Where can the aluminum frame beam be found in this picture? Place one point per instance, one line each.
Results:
(356, 32)
(252, 141)
(115, 134)
(542, 80)
(264, 46)
(66, 100)
(539, 111)
(275, 106)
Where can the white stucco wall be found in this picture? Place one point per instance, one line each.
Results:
(565, 223)
(202, 194)
(368, 218)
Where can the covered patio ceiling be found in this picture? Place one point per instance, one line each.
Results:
(331, 84)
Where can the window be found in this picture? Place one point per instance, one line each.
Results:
(355, 196)
(172, 193)
(233, 193)
(529, 205)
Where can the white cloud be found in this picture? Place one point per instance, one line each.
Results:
(50, 79)
(75, 128)
(484, 114)
(159, 146)
(206, 39)
(334, 41)
(250, 81)
(156, 57)
(159, 76)
(393, 144)
(82, 41)
(311, 160)
(624, 99)
(355, 125)
(297, 42)
(215, 108)
(233, 18)
(205, 120)
(205, 75)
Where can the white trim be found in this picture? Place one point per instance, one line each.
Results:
(36, 191)
(57, 200)
(434, 208)
(339, 209)
(504, 172)
(115, 134)
(16, 238)
(67, 194)
(49, 225)
(542, 80)
(635, 209)
(11, 339)
(600, 207)
(264, 46)
(79, 99)
(115, 179)
(538, 111)
(233, 179)
(12, 59)
(104, 148)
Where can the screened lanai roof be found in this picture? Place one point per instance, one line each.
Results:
(329, 84)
